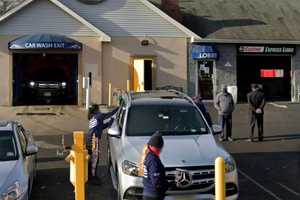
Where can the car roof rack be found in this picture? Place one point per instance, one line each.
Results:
(163, 94)
(183, 95)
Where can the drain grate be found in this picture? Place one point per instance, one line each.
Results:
(41, 109)
(31, 113)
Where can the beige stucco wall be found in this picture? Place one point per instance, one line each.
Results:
(170, 61)
(5, 71)
(89, 61)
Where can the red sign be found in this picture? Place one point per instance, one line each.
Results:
(271, 73)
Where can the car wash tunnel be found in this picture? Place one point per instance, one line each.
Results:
(45, 70)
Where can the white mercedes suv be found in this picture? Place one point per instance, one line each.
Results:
(190, 146)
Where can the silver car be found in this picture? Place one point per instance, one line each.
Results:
(17, 161)
(190, 146)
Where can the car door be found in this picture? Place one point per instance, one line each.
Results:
(28, 161)
(115, 142)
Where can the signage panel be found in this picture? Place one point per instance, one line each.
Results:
(266, 49)
(202, 52)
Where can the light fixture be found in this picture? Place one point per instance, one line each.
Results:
(145, 42)
(32, 83)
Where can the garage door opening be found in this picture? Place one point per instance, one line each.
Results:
(272, 72)
(45, 79)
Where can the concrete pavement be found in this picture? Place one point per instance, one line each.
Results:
(268, 170)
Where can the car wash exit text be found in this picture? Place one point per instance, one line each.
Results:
(45, 45)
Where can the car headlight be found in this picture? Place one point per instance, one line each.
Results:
(13, 192)
(229, 165)
(64, 84)
(32, 83)
(130, 168)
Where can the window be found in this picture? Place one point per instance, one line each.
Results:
(22, 138)
(8, 149)
(168, 119)
(122, 117)
(272, 73)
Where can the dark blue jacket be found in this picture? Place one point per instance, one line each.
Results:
(205, 113)
(97, 124)
(155, 182)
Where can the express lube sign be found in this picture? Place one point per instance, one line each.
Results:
(267, 49)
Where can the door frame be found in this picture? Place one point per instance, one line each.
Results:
(142, 57)
(214, 76)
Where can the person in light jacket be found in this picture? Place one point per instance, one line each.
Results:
(224, 104)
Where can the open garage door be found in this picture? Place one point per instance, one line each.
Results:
(272, 72)
(45, 78)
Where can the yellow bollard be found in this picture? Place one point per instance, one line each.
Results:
(78, 159)
(128, 85)
(220, 179)
(109, 94)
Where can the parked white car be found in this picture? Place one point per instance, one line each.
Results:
(17, 161)
(190, 146)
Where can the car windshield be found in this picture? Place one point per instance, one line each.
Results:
(8, 150)
(53, 74)
(168, 119)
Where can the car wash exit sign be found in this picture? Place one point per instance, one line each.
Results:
(267, 49)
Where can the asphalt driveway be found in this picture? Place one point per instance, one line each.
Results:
(267, 170)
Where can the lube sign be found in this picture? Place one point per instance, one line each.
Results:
(267, 49)
(45, 45)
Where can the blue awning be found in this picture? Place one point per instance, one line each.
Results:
(200, 52)
(44, 42)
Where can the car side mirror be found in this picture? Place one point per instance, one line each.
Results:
(217, 129)
(114, 131)
(31, 149)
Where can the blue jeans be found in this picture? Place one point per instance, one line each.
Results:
(226, 123)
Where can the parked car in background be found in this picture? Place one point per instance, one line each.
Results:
(190, 146)
(17, 161)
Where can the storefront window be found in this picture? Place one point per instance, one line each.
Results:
(205, 79)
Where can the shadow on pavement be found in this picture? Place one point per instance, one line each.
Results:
(273, 171)
(274, 138)
(52, 184)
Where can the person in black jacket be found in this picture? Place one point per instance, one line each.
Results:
(201, 106)
(96, 126)
(256, 101)
(154, 180)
